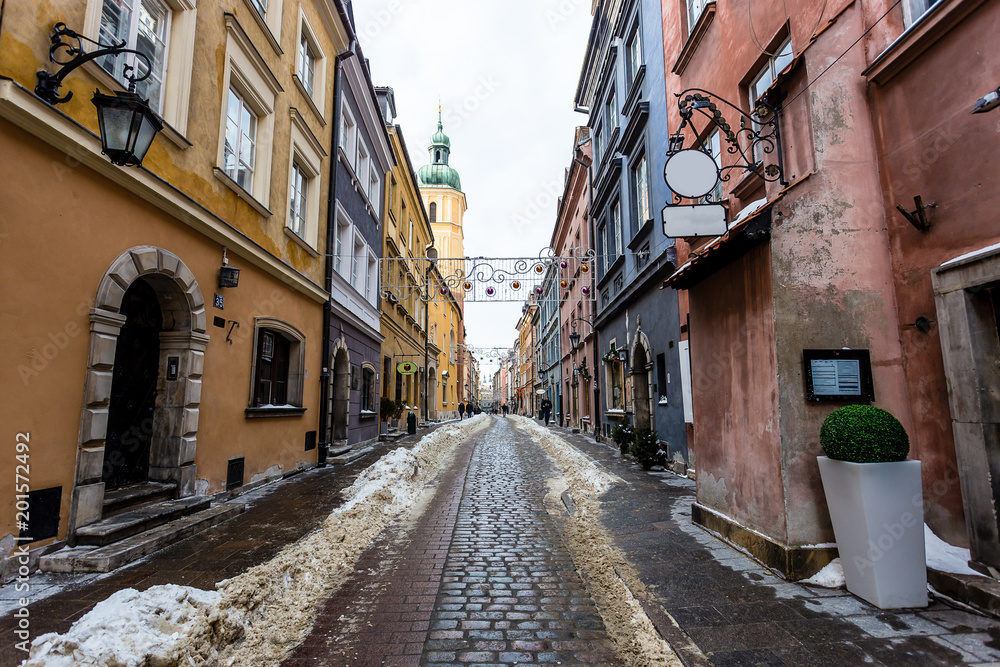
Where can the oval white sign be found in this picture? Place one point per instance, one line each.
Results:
(691, 173)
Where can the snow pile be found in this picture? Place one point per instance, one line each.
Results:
(257, 617)
(569, 458)
(609, 577)
(831, 576)
(120, 630)
(944, 557)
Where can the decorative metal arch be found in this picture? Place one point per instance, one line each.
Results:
(485, 279)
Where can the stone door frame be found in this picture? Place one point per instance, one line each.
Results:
(971, 352)
(646, 370)
(175, 421)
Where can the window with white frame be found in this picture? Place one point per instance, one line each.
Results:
(375, 191)
(348, 134)
(307, 64)
(310, 67)
(611, 111)
(409, 239)
(598, 144)
(344, 245)
(240, 140)
(362, 164)
(762, 82)
(260, 5)
(914, 9)
(298, 199)
(247, 123)
(633, 52)
(267, 14)
(695, 8)
(358, 257)
(640, 185)
(144, 25)
(616, 227)
(278, 364)
(371, 290)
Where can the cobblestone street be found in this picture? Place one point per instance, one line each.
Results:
(481, 573)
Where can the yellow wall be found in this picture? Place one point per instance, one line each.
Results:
(403, 322)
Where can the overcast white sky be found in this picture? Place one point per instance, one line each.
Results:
(506, 73)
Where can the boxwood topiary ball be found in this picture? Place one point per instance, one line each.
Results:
(864, 434)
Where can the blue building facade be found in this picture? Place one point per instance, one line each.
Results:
(363, 157)
(622, 89)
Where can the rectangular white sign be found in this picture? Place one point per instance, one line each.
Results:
(694, 220)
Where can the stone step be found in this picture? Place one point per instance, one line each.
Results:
(137, 520)
(349, 457)
(117, 501)
(131, 549)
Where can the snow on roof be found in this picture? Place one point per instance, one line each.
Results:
(975, 253)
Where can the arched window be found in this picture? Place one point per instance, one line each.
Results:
(278, 364)
(438, 158)
(434, 212)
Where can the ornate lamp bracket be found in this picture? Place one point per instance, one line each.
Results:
(759, 134)
(68, 40)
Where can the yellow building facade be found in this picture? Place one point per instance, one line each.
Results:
(441, 190)
(128, 365)
(407, 236)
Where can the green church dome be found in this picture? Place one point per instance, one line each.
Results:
(438, 174)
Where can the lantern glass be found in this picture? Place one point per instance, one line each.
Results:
(127, 125)
(574, 340)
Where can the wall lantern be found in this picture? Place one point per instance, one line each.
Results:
(127, 123)
(987, 102)
(229, 276)
(574, 340)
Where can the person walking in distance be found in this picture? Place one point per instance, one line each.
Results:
(546, 409)
(461, 410)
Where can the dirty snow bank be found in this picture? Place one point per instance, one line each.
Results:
(944, 557)
(119, 630)
(610, 579)
(257, 617)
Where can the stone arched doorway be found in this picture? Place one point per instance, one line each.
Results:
(642, 382)
(140, 426)
(341, 391)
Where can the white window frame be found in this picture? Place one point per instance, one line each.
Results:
(362, 165)
(244, 111)
(616, 219)
(695, 8)
(178, 65)
(298, 198)
(348, 134)
(247, 74)
(634, 58)
(371, 287)
(764, 79)
(358, 255)
(913, 10)
(640, 185)
(306, 151)
(267, 14)
(316, 93)
(131, 38)
(374, 192)
(344, 235)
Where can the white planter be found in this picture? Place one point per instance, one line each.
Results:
(878, 518)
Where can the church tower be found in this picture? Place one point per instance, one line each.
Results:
(441, 189)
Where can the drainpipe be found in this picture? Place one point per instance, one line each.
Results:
(326, 376)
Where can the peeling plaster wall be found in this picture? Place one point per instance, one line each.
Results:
(930, 145)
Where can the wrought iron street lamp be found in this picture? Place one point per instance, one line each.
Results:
(127, 123)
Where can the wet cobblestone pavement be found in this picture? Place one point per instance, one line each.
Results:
(482, 578)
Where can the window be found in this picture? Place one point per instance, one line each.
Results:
(357, 268)
(246, 126)
(348, 134)
(695, 8)
(369, 394)
(375, 192)
(144, 25)
(361, 166)
(307, 64)
(371, 288)
(267, 15)
(633, 53)
(433, 212)
(914, 9)
(616, 380)
(640, 185)
(392, 196)
(163, 30)
(760, 84)
(241, 140)
(409, 238)
(611, 112)
(616, 228)
(278, 364)
(713, 146)
(343, 244)
(598, 145)
(298, 195)
(272, 368)
(260, 5)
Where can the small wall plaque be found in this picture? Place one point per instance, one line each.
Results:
(838, 375)
(173, 363)
(219, 301)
